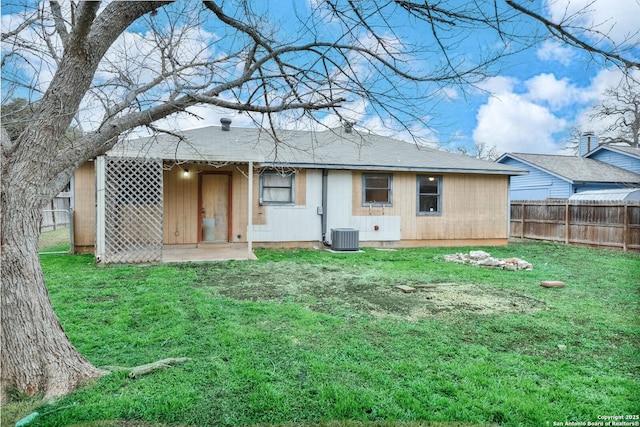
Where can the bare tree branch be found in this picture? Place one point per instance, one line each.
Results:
(561, 31)
(620, 111)
(61, 26)
(23, 25)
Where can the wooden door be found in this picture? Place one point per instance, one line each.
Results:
(214, 209)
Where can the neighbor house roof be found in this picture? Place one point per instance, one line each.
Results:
(576, 169)
(623, 149)
(330, 149)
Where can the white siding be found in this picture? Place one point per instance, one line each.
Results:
(388, 227)
(339, 189)
(294, 223)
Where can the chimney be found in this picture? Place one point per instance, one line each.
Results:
(226, 124)
(588, 141)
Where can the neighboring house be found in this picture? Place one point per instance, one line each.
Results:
(553, 176)
(237, 185)
(597, 167)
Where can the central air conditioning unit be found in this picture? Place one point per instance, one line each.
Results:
(345, 239)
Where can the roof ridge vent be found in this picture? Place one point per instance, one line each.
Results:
(348, 126)
(226, 124)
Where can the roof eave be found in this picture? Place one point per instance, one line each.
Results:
(394, 168)
(607, 182)
(515, 157)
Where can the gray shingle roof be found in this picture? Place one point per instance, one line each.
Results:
(332, 149)
(578, 169)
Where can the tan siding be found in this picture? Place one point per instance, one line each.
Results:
(180, 206)
(170, 225)
(189, 208)
(473, 207)
(300, 197)
(259, 212)
(84, 213)
(403, 195)
(239, 211)
(301, 188)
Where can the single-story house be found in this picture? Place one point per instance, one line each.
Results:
(235, 185)
(555, 176)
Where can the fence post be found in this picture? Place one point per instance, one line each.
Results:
(566, 222)
(625, 228)
(522, 226)
(53, 215)
(72, 237)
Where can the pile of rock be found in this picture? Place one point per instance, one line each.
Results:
(484, 259)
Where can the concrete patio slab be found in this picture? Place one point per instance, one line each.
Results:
(207, 252)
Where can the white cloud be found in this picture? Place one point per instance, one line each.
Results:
(499, 85)
(546, 88)
(527, 116)
(512, 123)
(554, 51)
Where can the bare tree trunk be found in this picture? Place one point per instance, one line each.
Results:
(36, 353)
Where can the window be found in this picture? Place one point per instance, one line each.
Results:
(376, 189)
(276, 188)
(429, 195)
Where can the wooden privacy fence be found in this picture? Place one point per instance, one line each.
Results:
(613, 224)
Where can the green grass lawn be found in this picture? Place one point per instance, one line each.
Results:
(306, 337)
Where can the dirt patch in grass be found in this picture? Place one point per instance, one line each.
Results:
(445, 298)
(331, 290)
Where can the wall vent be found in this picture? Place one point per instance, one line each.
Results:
(345, 239)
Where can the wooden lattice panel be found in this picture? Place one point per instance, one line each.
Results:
(133, 210)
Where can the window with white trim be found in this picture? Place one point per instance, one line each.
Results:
(277, 188)
(429, 194)
(377, 189)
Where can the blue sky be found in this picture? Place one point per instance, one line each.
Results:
(530, 105)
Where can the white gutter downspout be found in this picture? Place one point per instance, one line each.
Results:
(250, 213)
